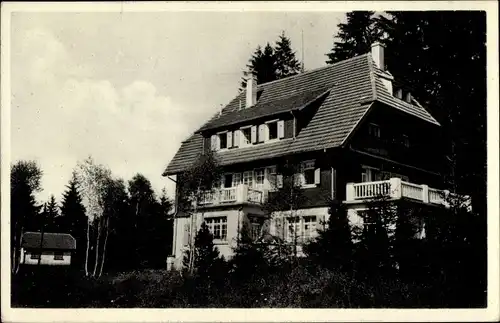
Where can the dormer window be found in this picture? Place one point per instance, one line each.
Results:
(223, 140)
(246, 136)
(398, 93)
(408, 97)
(273, 130)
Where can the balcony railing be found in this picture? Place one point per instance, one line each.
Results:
(395, 188)
(232, 195)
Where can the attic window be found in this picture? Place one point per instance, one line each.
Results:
(398, 93)
(273, 130)
(408, 97)
(222, 141)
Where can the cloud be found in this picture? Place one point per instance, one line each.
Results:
(60, 114)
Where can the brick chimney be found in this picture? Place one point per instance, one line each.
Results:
(251, 90)
(378, 55)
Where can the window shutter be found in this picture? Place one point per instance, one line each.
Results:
(254, 134)
(279, 180)
(236, 138)
(213, 142)
(262, 132)
(186, 234)
(317, 176)
(280, 230)
(229, 139)
(281, 129)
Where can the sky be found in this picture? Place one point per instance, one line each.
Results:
(127, 88)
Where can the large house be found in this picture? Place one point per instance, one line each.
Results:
(354, 130)
(55, 250)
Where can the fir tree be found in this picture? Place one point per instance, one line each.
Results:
(74, 219)
(333, 246)
(286, 62)
(263, 65)
(354, 37)
(25, 180)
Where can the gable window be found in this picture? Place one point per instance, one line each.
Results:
(58, 255)
(217, 227)
(248, 178)
(374, 130)
(222, 140)
(406, 141)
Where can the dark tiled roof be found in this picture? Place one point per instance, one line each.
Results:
(352, 86)
(50, 240)
(265, 108)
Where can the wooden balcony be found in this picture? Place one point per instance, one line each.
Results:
(395, 189)
(232, 195)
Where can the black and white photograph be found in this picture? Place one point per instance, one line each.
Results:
(250, 155)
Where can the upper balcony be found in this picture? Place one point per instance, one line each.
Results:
(233, 195)
(396, 189)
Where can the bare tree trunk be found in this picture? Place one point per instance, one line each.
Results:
(87, 251)
(96, 263)
(104, 247)
(192, 229)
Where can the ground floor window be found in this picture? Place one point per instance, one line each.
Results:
(58, 255)
(301, 228)
(217, 227)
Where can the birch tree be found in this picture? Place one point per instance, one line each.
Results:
(93, 179)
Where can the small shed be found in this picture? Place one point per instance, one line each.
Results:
(56, 248)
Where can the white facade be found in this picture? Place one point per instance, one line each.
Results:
(52, 258)
(232, 220)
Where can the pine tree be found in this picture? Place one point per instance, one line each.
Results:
(355, 36)
(74, 219)
(51, 215)
(24, 182)
(286, 62)
(333, 246)
(263, 65)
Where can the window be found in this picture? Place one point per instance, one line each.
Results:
(293, 229)
(248, 178)
(309, 227)
(222, 140)
(228, 180)
(406, 141)
(259, 176)
(256, 228)
(236, 179)
(307, 173)
(35, 255)
(272, 130)
(246, 136)
(58, 255)
(217, 227)
(272, 178)
(374, 130)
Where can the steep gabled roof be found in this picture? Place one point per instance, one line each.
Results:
(31, 240)
(349, 88)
